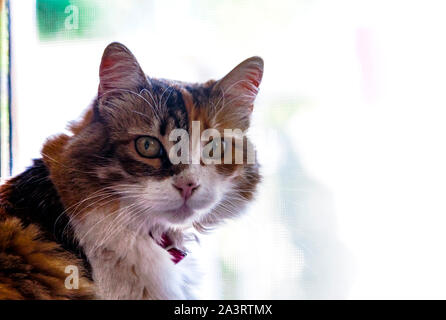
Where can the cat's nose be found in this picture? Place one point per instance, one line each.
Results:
(186, 188)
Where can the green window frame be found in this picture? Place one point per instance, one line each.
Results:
(5, 92)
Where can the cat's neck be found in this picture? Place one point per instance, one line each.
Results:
(32, 197)
(126, 263)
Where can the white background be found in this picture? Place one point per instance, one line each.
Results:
(364, 214)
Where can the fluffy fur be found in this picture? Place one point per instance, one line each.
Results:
(105, 208)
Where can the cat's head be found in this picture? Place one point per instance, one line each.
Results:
(128, 151)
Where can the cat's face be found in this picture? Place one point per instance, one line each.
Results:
(123, 154)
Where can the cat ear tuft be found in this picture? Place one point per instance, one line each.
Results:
(119, 69)
(241, 85)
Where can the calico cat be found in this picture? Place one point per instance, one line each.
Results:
(106, 213)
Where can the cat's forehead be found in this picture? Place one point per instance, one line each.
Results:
(198, 92)
(174, 104)
(158, 107)
(169, 104)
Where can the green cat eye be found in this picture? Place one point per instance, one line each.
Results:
(216, 145)
(219, 144)
(148, 147)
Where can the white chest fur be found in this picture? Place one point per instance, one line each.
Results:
(127, 265)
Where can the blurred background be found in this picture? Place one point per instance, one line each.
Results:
(349, 125)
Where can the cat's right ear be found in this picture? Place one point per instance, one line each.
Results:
(119, 70)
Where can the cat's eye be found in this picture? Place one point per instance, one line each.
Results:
(219, 145)
(216, 146)
(148, 147)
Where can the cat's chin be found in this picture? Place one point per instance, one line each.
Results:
(181, 215)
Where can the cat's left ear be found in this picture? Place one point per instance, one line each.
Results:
(240, 86)
(119, 70)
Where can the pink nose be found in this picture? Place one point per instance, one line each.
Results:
(186, 188)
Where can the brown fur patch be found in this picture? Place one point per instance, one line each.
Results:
(33, 268)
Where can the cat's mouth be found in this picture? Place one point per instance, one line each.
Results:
(183, 212)
(185, 209)
(180, 210)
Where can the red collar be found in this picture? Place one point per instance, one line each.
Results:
(176, 254)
